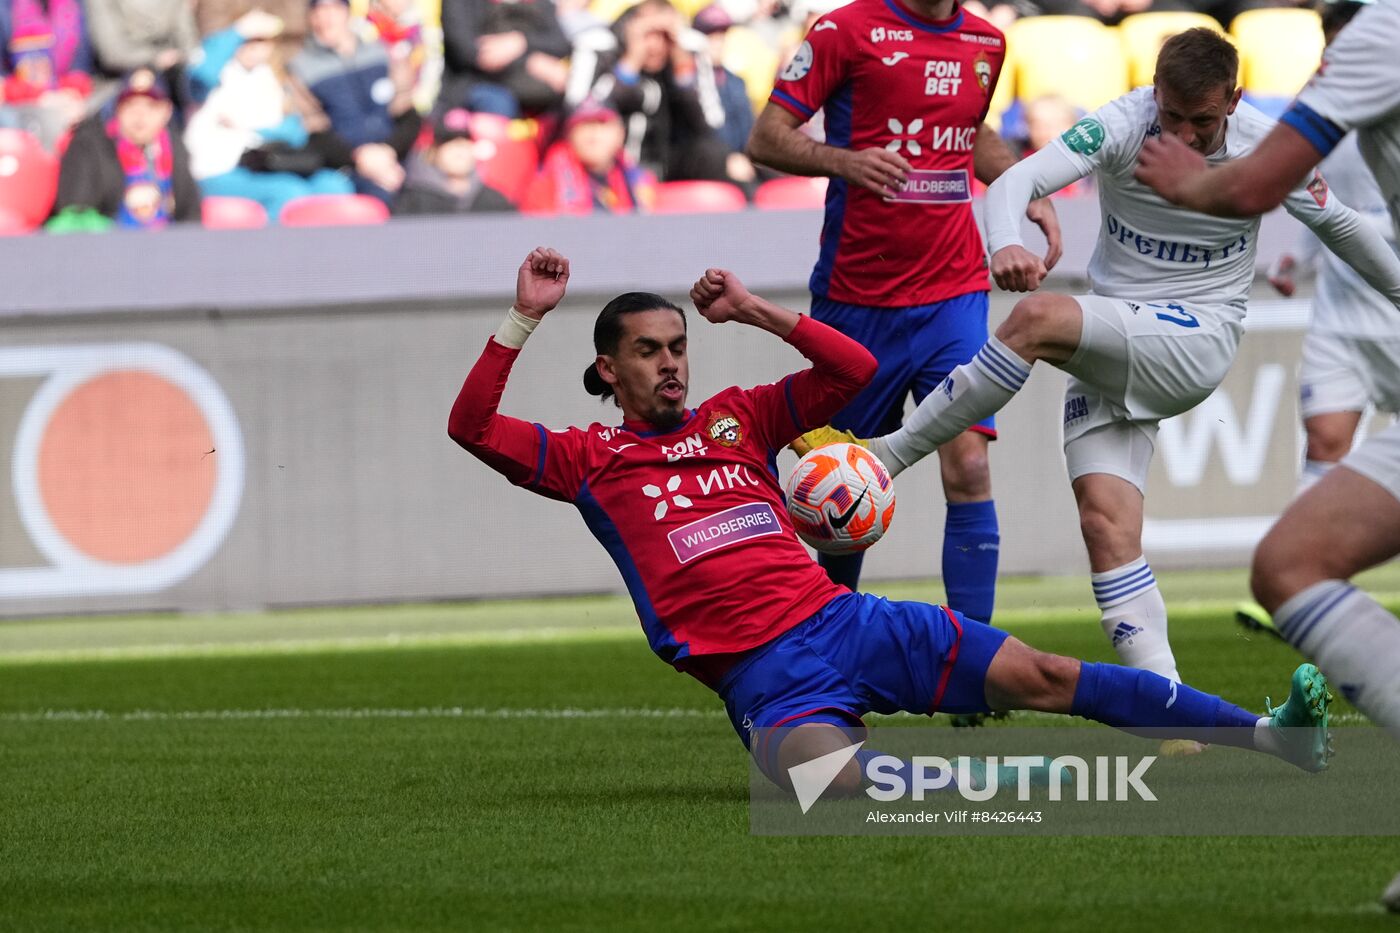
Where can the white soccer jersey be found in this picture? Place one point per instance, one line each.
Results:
(1149, 248)
(1344, 303)
(1358, 87)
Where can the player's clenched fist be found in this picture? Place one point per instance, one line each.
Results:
(719, 296)
(877, 170)
(1017, 269)
(540, 283)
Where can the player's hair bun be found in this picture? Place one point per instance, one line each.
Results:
(593, 382)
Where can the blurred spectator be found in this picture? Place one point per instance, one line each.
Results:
(588, 170)
(444, 180)
(503, 57)
(217, 15)
(129, 168)
(398, 24)
(1000, 13)
(243, 141)
(1047, 117)
(45, 64)
(669, 105)
(358, 109)
(130, 34)
(714, 23)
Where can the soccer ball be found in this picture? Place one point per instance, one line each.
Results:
(840, 498)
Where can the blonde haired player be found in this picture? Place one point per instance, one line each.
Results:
(1160, 327)
(1350, 519)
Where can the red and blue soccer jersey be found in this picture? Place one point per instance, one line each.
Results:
(694, 516)
(886, 78)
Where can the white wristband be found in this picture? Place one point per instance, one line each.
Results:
(515, 329)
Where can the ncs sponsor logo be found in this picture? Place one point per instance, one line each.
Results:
(127, 469)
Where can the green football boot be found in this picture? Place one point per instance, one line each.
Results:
(1301, 722)
(1254, 617)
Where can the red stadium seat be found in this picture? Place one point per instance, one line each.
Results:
(333, 210)
(225, 213)
(698, 197)
(791, 194)
(12, 224)
(28, 177)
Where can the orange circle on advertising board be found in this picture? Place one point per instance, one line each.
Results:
(125, 467)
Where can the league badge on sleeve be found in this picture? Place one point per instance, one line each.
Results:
(801, 63)
(1318, 189)
(1085, 137)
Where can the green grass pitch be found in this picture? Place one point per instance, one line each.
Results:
(531, 766)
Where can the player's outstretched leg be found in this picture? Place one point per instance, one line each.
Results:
(1042, 326)
(1343, 524)
(1134, 700)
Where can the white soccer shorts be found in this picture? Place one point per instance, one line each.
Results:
(1137, 363)
(1345, 373)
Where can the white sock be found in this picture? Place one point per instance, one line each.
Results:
(976, 389)
(1354, 641)
(1135, 617)
(1313, 470)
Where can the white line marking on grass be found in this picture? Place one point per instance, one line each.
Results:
(391, 641)
(427, 712)
(482, 712)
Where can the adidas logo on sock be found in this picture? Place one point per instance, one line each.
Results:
(1123, 632)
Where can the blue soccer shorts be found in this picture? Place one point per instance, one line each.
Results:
(859, 654)
(916, 347)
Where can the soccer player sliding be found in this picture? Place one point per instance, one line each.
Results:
(688, 505)
(1159, 329)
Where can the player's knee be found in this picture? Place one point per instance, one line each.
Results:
(1033, 324)
(1106, 535)
(1021, 677)
(813, 740)
(966, 472)
(1283, 566)
(1327, 444)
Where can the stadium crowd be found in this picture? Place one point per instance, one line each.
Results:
(141, 113)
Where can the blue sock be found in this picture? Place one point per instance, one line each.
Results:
(905, 769)
(842, 568)
(971, 545)
(1132, 699)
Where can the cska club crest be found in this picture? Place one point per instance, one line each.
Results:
(983, 70)
(725, 429)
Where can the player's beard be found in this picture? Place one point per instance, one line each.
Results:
(665, 413)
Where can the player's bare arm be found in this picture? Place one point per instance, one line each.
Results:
(1245, 187)
(777, 141)
(991, 157)
(719, 296)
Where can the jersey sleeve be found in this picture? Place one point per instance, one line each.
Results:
(1105, 138)
(1347, 235)
(841, 367)
(1355, 85)
(818, 68)
(550, 463)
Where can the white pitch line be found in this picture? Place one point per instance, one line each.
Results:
(427, 712)
(473, 712)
